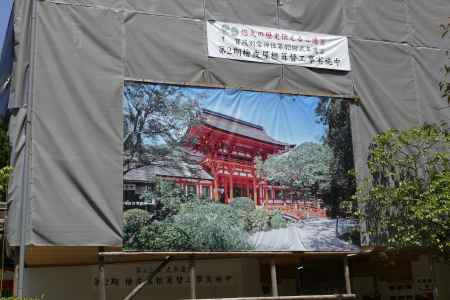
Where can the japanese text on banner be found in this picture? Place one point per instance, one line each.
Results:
(277, 46)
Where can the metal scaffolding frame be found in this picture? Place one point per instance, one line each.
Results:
(167, 257)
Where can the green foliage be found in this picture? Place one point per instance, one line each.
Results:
(306, 165)
(277, 220)
(155, 120)
(4, 177)
(163, 236)
(212, 226)
(335, 115)
(407, 198)
(134, 220)
(258, 220)
(5, 170)
(169, 197)
(186, 223)
(243, 203)
(5, 148)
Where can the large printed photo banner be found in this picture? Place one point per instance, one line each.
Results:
(209, 169)
(277, 46)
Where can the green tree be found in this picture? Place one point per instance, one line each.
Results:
(164, 236)
(155, 120)
(406, 199)
(304, 166)
(256, 219)
(335, 115)
(5, 169)
(212, 226)
(134, 221)
(169, 198)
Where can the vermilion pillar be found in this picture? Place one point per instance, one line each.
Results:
(231, 186)
(215, 184)
(255, 189)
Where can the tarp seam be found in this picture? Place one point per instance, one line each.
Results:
(153, 13)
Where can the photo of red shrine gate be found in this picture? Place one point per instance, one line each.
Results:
(222, 166)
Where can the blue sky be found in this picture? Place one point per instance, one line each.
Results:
(288, 118)
(5, 10)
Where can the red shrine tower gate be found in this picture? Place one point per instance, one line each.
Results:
(230, 147)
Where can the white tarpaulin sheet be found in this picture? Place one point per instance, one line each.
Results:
(277, 46)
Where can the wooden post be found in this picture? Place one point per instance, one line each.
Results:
(16, 273)
(273, 277)
(101, 276)
(298, 277)
(193, 278)
(348, 287)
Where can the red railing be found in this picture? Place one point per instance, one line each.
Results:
(298, 210)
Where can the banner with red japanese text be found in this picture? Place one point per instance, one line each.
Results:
(277, 46)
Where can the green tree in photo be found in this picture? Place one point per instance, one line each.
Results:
(335, 115)
(212, 226)
(134, 221)
(164, 236)
(168, 198)
(304, 166)
(406, 200)
(155, 120)
(256, 219)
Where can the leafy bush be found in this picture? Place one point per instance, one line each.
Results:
(258, 220)
(243, 203)
(406, 200)
(170, 198)
(180, 223)
(277, 220)
(164, 236)
(212, 226)
(134, 221)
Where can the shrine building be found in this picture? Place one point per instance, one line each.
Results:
(230, 147)
(222, 165)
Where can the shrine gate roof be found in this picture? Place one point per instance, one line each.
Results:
(239, 127)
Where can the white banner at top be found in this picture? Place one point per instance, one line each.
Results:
(277, 46)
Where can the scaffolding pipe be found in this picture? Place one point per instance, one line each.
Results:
(139, 287)
(348, 287)
(101, 276)
(192, 278)
(273, 277)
